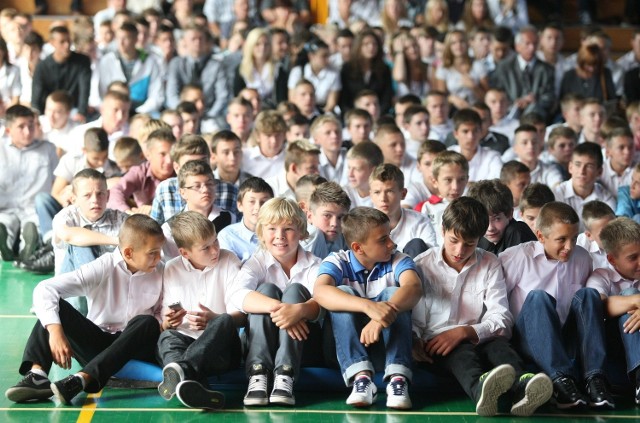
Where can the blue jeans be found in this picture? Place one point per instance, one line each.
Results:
(539, 334)
(354, 357)
(46, 208)
(73, 259)
(631, 341)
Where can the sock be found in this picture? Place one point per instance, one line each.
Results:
(39, 372)
(84, 383)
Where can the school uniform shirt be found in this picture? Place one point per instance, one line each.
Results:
(485, 164)
(434, 208)
(527, 268)
(506, 126)
(75, 142)
(114, 294)
(317, 243)
(238, 239)
(410, 170)
(416, 193)
(262, 267)
(564, 192)
(191, 286)
(356, 200)
(337, 173)
(56, 136)
(546, 174)
(261, 166)
(413, 225)
(440, 132)
(326, 81)
(108, 224)
(70, 164)
(611, 180)
(280, 186)
(412, 147)
(10, 83)
(608, 282)
(345, 269)
(476, 297)
(598, 255)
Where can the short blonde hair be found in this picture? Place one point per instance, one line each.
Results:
(190, 227)
(449, 158)
(321, 120)
(297, 151)
(279, 210)
(618, 233)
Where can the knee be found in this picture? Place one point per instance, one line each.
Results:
(295, 293)
(387, 293)
(587, 294)
(539, 297)
(223, 321)
(144, 321)
(166, 336)
(629, 291)
(347, 289)
(269, 290)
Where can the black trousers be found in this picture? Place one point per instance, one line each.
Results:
(100, 353)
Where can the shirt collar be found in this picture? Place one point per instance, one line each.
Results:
(538, 249)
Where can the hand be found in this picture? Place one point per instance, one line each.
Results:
(383, 312)
(286, 315)
(60, 349)
(67, 196)
(198, 319)
(173, 319)
(143, 209)
(299, 331)
(633, 323)
(418, 351)
(371, 333)
(398, 44)
(445, 342)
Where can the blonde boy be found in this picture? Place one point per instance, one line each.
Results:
(410, 230)
(450, 177)
(358, 124)
(618, 165)
(369, 291)
(199, 335)
(127, 153)
(266, 158)
(420, 191)
(274, 288)
(326, 131)
(618, 287)
(327, 205)
(305, 187)
(362, 159)
(527, 148)
(595, 216)
(240, 238)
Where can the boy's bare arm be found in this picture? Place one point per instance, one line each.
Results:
(409, 293)
(334, 299)
(617, 305)
(255, 302)
(61, 191)
(83, 237)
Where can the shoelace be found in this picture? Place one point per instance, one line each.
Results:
(258, 383)
(362, 384)
(283, 383)
(398, 386)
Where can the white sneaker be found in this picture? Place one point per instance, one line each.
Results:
(492, 385)
(398, 393)
(364, 392)
(172, 375)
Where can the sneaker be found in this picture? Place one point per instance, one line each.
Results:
(637, 397)
(492, 385)
(32, 387)
(282, 392)
(364, 392)
(31, 240)
(567, 394)
(598, 392)
(531, 391)
(40, 264)
(193, 395)
(66, 389)
(5, 252)
(39, 252)
(398, 393)
(172, 375)
(257, 391)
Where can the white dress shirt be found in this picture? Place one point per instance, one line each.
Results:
(209, 287)
(611, 180)
(262, 267)
(564, 192)
(261, 166)
(527, 268)
(485, 164)
(608, 282)
(337, 173)
(598, 256)
(356, 200)
(114, 294)
(413, 225)
(280, 186)
(476, 297)
(546, 174)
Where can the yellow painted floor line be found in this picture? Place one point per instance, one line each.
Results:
(89, 407)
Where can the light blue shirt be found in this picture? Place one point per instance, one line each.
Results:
(238, 239)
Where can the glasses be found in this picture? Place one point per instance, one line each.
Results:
(209, 186)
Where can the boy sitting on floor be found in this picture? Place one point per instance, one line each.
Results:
(327, 205)
(595, 216)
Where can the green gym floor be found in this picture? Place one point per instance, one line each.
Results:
(145, 405)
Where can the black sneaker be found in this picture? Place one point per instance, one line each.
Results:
(41, 265)
(282, 392)
(193, 395)
(637, 397)
(257, 391)
(172, 375)
(598, 391)
(5, 252)
(66, 389)
(567, 394)
(492, 385)
(31, 240)
(32, 387)
(531, 391)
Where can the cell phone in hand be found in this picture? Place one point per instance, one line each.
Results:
(177, 306)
